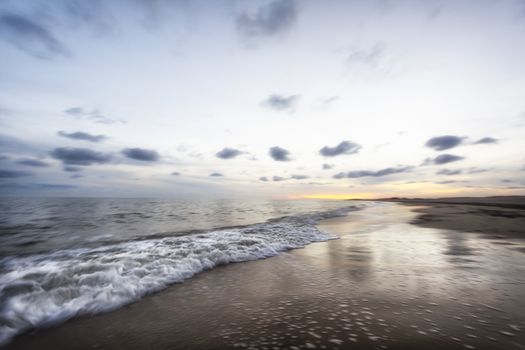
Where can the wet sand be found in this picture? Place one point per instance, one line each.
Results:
(492, 222)
(385, 284)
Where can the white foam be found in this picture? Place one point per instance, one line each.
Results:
(40, 290)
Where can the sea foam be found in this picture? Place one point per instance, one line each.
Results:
(47, 289)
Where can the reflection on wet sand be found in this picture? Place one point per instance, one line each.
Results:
(459, 251)
(385, 284)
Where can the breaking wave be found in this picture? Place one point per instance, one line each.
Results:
(47, 289)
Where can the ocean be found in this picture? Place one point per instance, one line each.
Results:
(64, 257)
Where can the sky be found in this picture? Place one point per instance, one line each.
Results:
(262, 99)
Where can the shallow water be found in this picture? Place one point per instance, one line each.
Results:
(102, 272)
(36, 225)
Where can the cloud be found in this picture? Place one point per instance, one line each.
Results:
(80, 156)
(441, 143)
(83, 136)
(263, 178)
(144, 155)
(35, 186)
(371, 57)
(271, 19)
(279, 154)
(278, 178)
(76, 111)
(442, 159)
(328, 166)
(299, 177)
(475, 170)
(175, 173)
(94, 115)
(13, 174)
(29, 36)
(228, 153)
(330, 100)
(9, 144)
(33, 163)
(369, 173)
(72, 169)
(486, 140)
(449, 172)
(54, 186)
(216, 174)
(281, 102)
(345, 147)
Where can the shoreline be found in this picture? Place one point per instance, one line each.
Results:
(385, 283)
(493, 217)
(510, 202)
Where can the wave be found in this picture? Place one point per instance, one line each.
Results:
(47, 289)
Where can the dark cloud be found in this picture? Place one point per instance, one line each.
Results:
(80, 156)
(72, 169)
(475, 170)
(281, 103)
(278, 178)
(328, 166)
(270, 19)
(76, 176)
(9, 144)
(445, 182)
(30, 36)
(175, 173)
(506, 180)
(144, 155)
(299, 177)
(263, 178)
(369, 173)
(92, 14)
(345, 147)
(54, 186)
(13, 174)
(33, 163)
(216, 174)
(279, 154)
(94, 115)
(35, 186)
(441, 143)
(486, 140)
(228, 153)
(442, 159)
(76, 111)
(84, 136)
(448, 172)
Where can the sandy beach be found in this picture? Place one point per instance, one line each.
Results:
(439, 276)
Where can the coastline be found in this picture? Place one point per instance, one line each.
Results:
(386, 283)
(493, 217)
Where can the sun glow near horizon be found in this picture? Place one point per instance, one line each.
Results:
(339, 196)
